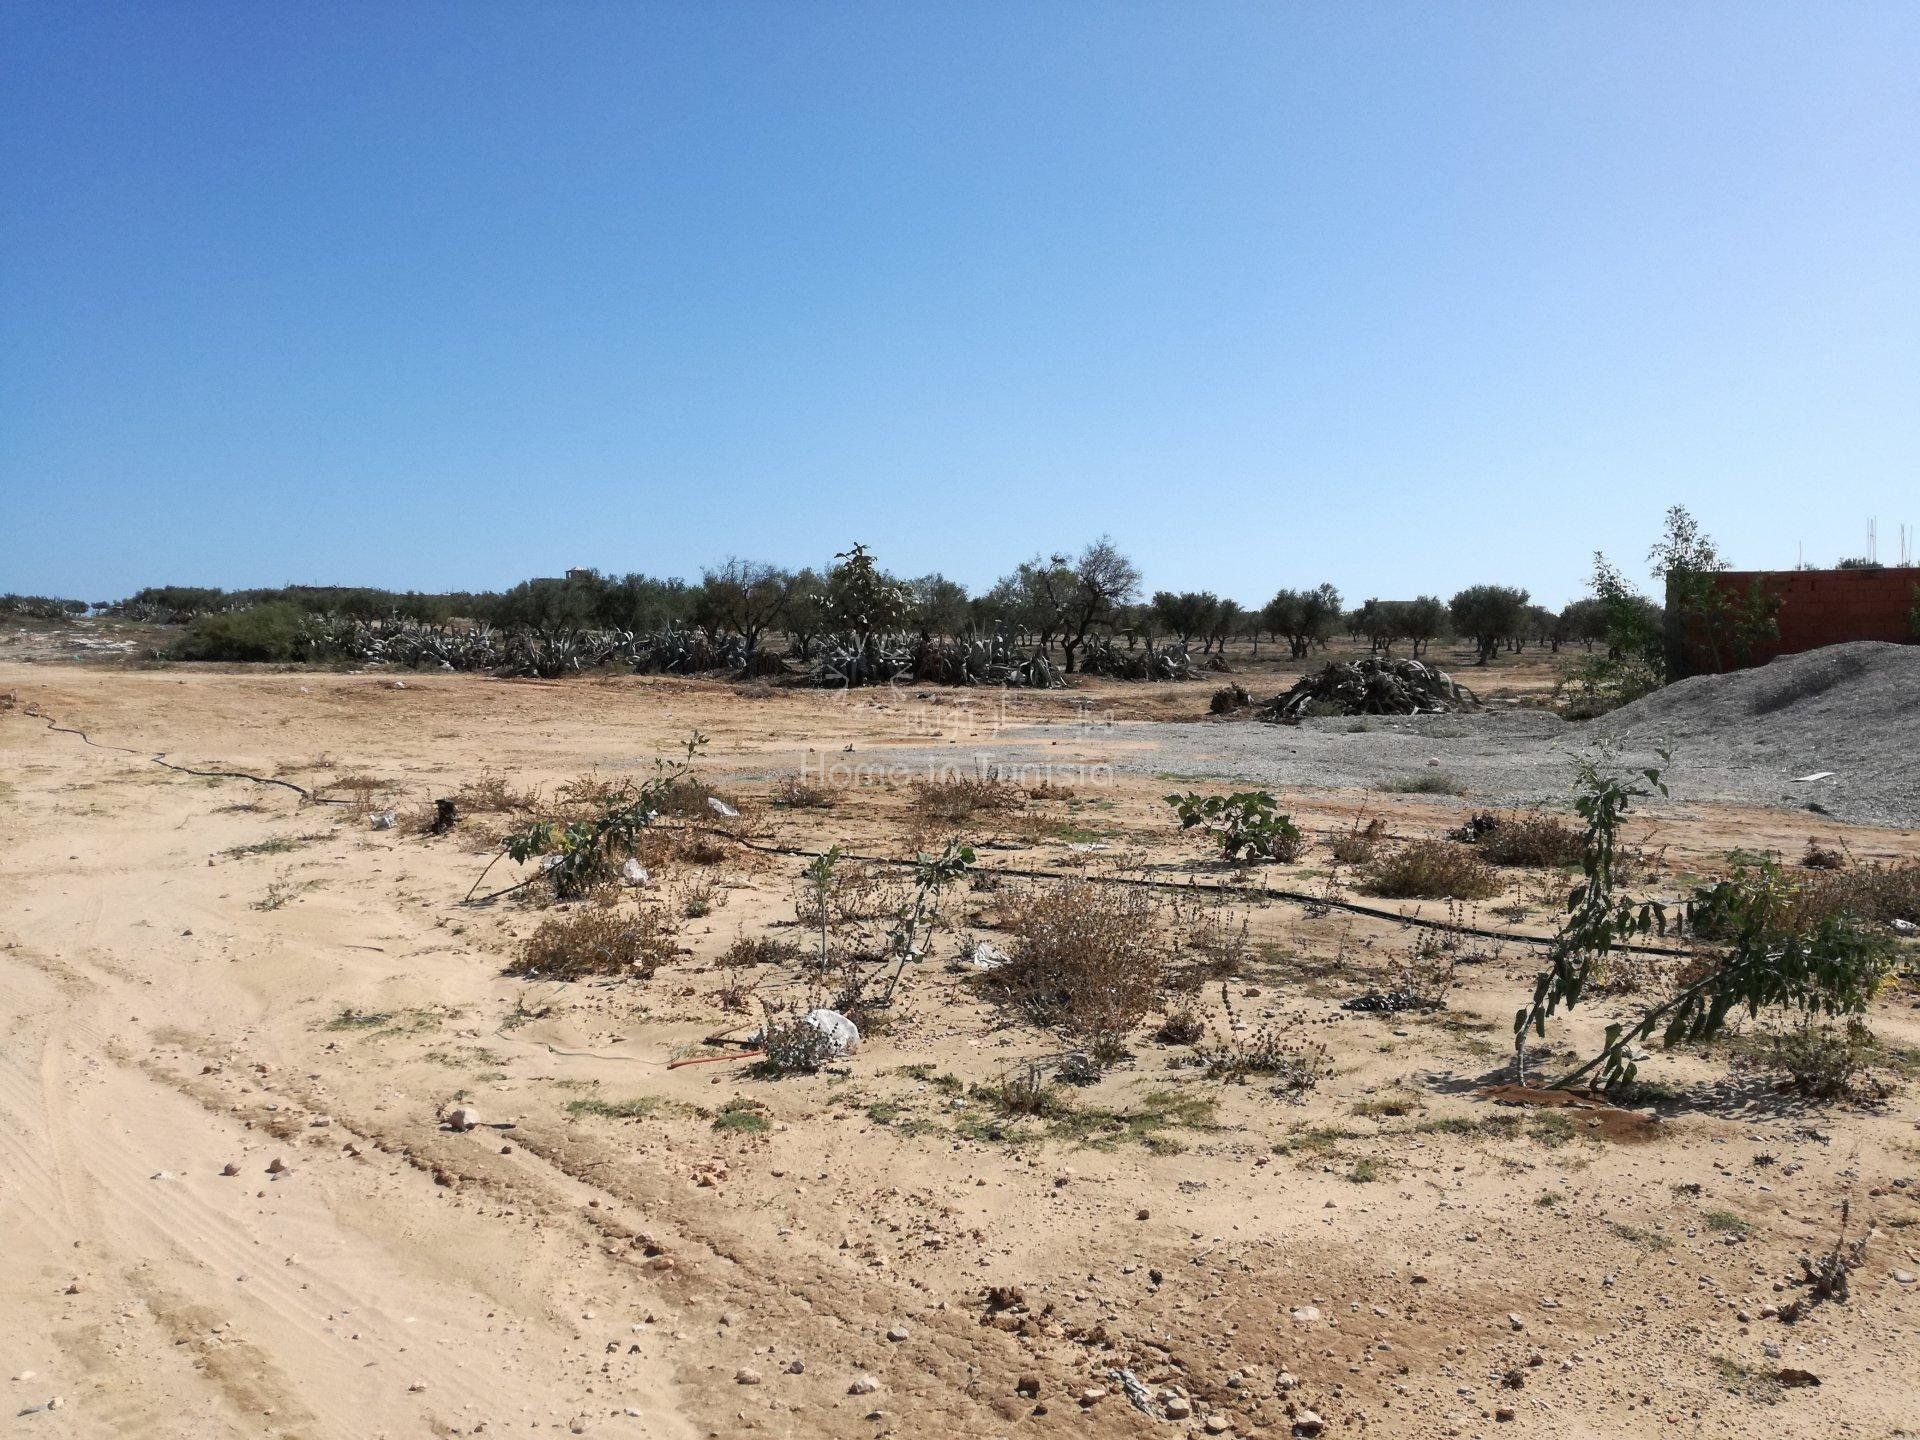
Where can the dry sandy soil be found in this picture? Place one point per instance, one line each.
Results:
(198, 973)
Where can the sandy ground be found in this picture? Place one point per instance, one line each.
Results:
(196, 973)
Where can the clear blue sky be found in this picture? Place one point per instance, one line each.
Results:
(1403, 296)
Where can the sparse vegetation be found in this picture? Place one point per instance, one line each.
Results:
(1530, 839)
(628, 942)
(1247, 825)
(1430, 870)
(1086, 959)
(1283, 1052)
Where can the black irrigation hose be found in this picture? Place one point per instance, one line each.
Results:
(36, 713)
(1267, 892)
(1295, 897)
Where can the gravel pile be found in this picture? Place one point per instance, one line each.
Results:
(1852, 709)
(1746, 738)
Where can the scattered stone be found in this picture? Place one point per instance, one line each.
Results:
(230, 1169)
(1029, 1386)
(898, 1333)
(1305, 1314)
(277, 1166)
(1178, 1407)
(746, 1375)
(863, 1385)
(1308, 1423)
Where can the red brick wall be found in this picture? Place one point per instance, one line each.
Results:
(1827, 607)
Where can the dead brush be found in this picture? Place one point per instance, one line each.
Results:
(598, 939)
(1531, 839)
(956, 797)
(1027, 1090)
(790, 1045)
(365, 794)
(697, 848)
(1422, 974)
(1210, 940)
(852, 893)
(1824, 1061)
(1828, 1276)
(1878, 894)
(491, 794)
(1431, 870)
(749, 951)
(1086, 959)
(1181, 1027)
(697, 897)
(796, 792)
(1358, 844)
(736, 990)
(1823, 857)
(1282, 1051)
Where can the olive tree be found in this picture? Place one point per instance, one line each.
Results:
(1488, 615)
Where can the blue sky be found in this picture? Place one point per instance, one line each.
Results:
(1402, 296)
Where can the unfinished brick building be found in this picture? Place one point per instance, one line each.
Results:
(1816, 607)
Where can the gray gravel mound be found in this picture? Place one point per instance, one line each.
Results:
(1853, 709)
(1747, 738)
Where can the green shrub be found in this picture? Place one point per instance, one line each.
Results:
(1431, 870)
(1246, 825)
(1532, 839)
(275, 633)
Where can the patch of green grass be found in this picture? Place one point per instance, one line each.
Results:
(1553, 1128)
(1548, 1199)
(638, 1108)
(1364, 1172)
(743, 1117)
(1742, 1379)
(987, 1128)
(1146, 1124)
(1651, 1239)
(278, 845)
(1646, 1092)
(1315, 1140)
(927, 1075)
(1072, 834)
(1388, 1107)
(352, 1019)
(899, 1119)
(1498, 1126)
(1725, 1222)
(465, 1055)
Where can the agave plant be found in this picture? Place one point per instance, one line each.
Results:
(1103, 657)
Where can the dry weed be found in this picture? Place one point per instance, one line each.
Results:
(1431, 870)
(796, 792)
(598, 939)
(1086, 959)
(1358, 844)
(951, 800)
(1531, 840)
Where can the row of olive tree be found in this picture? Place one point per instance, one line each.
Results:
(1062, 602)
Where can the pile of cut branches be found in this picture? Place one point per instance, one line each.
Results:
(1375, 685)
